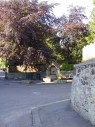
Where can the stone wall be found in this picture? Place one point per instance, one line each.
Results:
(83, 90)
(23, 76)
(67, 74)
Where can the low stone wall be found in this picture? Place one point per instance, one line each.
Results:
(36, 75)
(83, 90)
(16, 75)
(67, 74)
(21, 76)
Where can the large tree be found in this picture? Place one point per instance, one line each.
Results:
(24, 27)
(72, 32)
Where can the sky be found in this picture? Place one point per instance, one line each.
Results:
(63, 7)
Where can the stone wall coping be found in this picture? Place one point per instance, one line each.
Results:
(85, 63)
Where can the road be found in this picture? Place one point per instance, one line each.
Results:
(37, 105)
(17, 96)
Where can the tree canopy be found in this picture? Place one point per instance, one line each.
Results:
(30, 33)
(24, 27)
(72, 31)
(91, 26)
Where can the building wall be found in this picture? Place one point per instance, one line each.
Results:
(83, 90)
(88, 52)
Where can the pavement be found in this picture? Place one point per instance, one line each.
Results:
(58, 114)
(37, 105)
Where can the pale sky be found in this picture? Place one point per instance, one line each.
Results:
(62, 8)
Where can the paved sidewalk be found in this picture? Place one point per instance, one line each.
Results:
(58, 115)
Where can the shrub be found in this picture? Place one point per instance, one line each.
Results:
(66, 67)
(2, 63)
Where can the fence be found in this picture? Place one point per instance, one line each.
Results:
(88, 52)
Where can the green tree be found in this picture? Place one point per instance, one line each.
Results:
(72, 31)
(91, 27)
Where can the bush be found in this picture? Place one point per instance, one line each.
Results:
(2, 63)
(66, 67)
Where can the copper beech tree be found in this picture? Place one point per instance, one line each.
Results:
(28, 32)
(73, 31)
(24, 27)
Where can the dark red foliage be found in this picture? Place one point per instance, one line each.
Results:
(25, 25)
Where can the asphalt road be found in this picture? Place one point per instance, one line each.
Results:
(18, 96)
(37, 105)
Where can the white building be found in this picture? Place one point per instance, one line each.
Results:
(88, 52)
